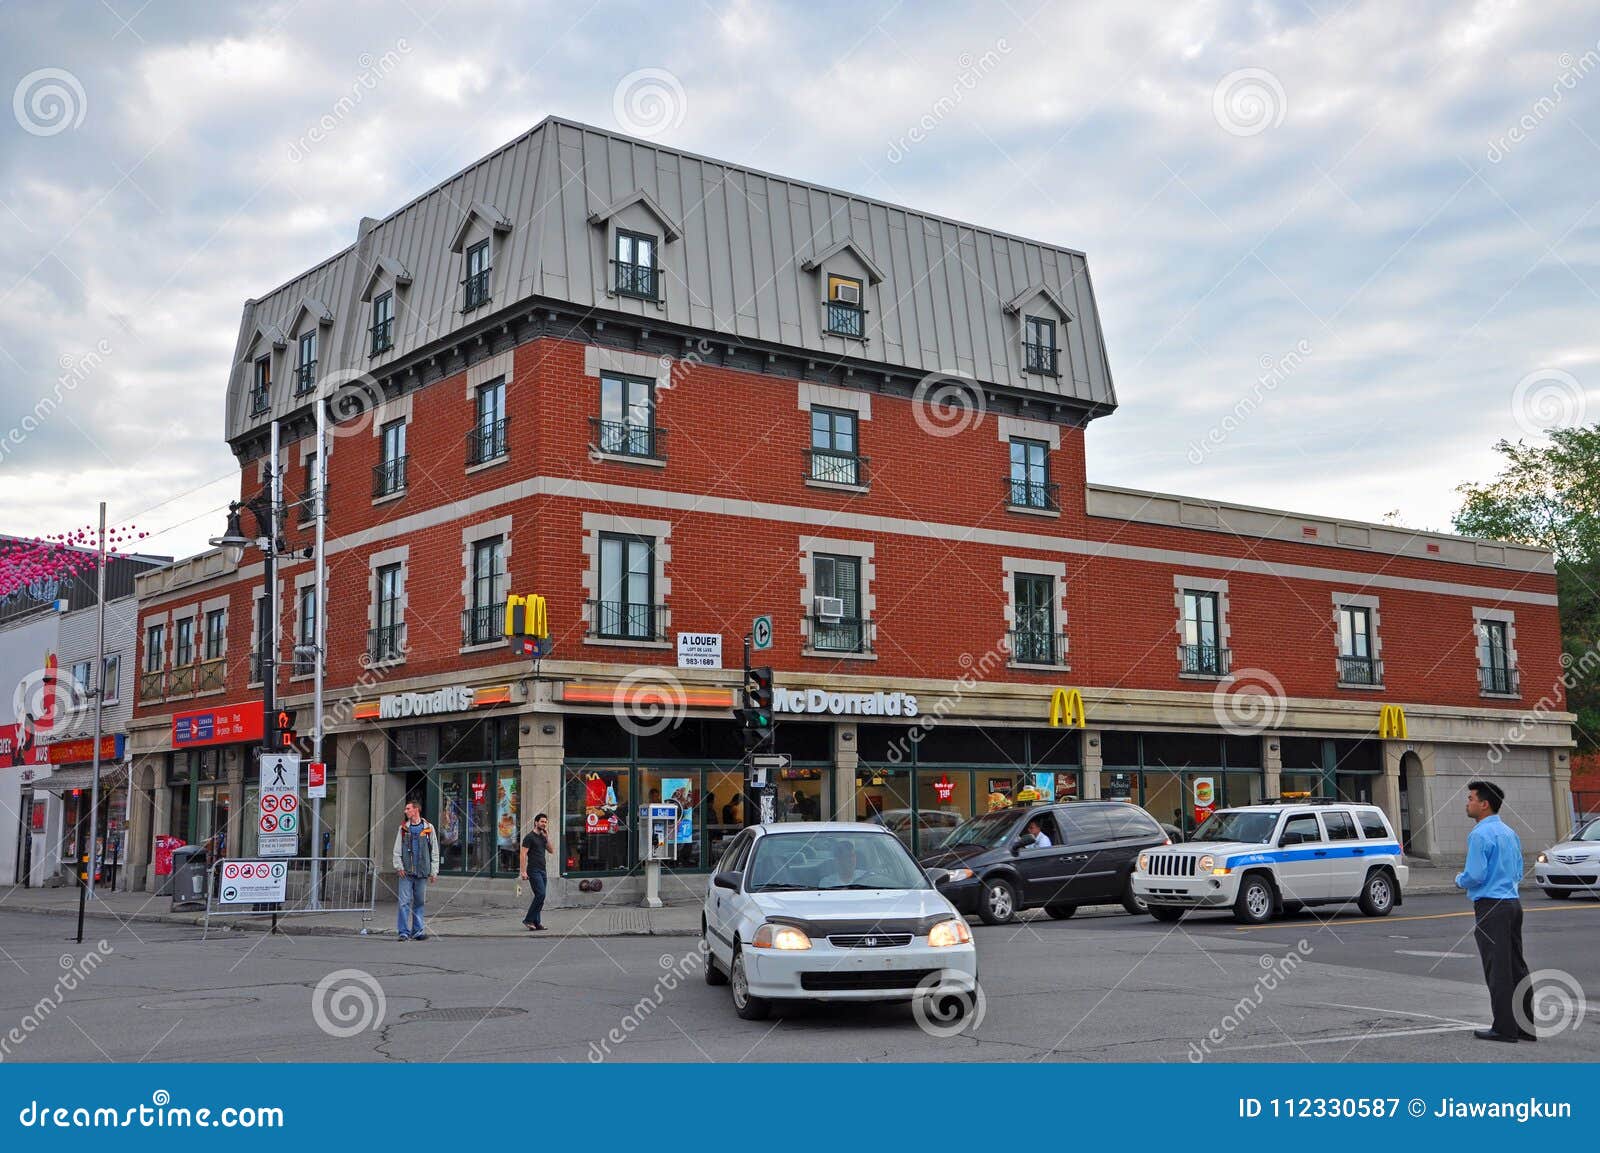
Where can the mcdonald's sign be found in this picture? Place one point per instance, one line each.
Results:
(527, 616)
(1066, 708)
(1392, 723)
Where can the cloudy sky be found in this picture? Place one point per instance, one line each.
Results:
(1339, 248)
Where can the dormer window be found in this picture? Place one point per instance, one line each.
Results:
(1039, 346)
(261, 387)
(845, 316)
(382, 323)
(475, 285)
(305, 378)
(636, 265)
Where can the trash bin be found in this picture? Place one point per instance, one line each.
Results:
(189, 876)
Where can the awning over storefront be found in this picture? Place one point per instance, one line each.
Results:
(82, 777)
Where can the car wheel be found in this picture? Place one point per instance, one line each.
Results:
(999, 902)
(1558, 894)
(1167, 913)
(1377, 895)
(714, 975)
(1253, 906)
(749, 1008)
(1132, 902)
(1061, 912)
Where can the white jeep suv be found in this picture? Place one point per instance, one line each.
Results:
(1259, 860)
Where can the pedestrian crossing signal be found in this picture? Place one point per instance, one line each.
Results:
(283, 734)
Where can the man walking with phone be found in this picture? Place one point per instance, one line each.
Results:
(1494, 867)
(416, 860)
(535, 847)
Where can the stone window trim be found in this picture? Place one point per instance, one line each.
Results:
(1482, 613)
(812, 395)
(399, 555)
(398, 408)
(1343, 600)
(472, 535)
(257, 642)
(303, 581)
(486, 371)
(1011, 568)
(660, 533)
(862, 550)
(220, 604)
(1017, 428)
(1185, 584)
(146, 623)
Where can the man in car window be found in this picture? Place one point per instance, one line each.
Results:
(1041, 839)
(842, 870)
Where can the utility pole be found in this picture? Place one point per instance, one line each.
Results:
(320, 639)
(269, 572)
(86, 891)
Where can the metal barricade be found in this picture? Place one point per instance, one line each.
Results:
(344, 885)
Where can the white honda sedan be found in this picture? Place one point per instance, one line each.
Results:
(832, 912)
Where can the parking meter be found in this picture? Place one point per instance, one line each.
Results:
(658, 841)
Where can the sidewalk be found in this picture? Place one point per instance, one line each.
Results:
(680, 920)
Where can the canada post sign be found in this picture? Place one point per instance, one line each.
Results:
(455, 699)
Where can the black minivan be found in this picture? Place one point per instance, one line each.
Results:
(1052, 856)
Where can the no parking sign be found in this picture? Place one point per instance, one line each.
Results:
(250, 882)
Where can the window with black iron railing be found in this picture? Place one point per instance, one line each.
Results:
(627, 620)
(833, 467)
(1499, 680)
(1204, 660)
(389, 476)
(212, 675)
(841, 635)
(475, 290)
(387, 643)
(486, 441)
(1355, 670)
(636, 279)
(1039, 494)
(1038, 647)
(382, 335)
(843, 319)
(1040, 358)
(260, 401)
(624, 438)
(305, 377)
(483, 624)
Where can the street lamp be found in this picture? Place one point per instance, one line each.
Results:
(233, 542)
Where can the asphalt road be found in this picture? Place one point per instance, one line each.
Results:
(1103, 986)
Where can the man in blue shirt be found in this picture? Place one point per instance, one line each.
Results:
(1494, 867)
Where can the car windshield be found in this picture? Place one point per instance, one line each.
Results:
(987, 831)
(830, 860)
(1589, 832)
(1245, 827)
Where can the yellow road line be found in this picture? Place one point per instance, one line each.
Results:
(1413, 917)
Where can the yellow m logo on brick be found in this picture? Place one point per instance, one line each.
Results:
(527, 616)
(1066, 708)
(1392, 723)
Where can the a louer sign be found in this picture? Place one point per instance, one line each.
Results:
(880, 704)
(455, 699)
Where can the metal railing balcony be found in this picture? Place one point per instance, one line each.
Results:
(212, 675)
(153, 685)
(181, 681)
(475, 290)
(627, 620)
(618, 438)
(1037, 647)
(845, 635)
(1360, 671)
(483, 624)
(636, 280)
(382, 336)
(845, 319)
(1040, 358)
(1204, 660)
(1039, 494)
(833, 467)
(1499, 680)
(305, 377)
(389, 477)
(387, 643)
(486, 441)
(260, 401)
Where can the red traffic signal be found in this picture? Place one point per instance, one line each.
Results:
(282, 736)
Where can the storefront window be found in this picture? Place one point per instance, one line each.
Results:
(680, 787)
(944, 800)
(883, 796)
(595, 818)
(1165, 773)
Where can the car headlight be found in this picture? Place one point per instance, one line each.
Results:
(1206, 863)
(957, 875)
(1543, 858)
(1144, 862)
(786, 937)
(952, 932)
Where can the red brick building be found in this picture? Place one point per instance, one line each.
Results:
(669, 395)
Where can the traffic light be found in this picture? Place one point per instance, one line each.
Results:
(756, 715)
(282, 736)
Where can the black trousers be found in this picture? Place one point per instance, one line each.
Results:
(1499, 936)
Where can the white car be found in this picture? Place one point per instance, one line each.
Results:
(1573, 866)
(832, 912)
(1259, 860)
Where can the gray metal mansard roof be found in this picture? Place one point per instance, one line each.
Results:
(744, 255)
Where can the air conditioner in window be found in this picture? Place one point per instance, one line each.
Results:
(829, 610)
(847, 294)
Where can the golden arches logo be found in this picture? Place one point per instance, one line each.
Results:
(1066, 708)
(527, 616)
(1392, 723)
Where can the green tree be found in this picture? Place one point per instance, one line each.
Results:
(1549, 495)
